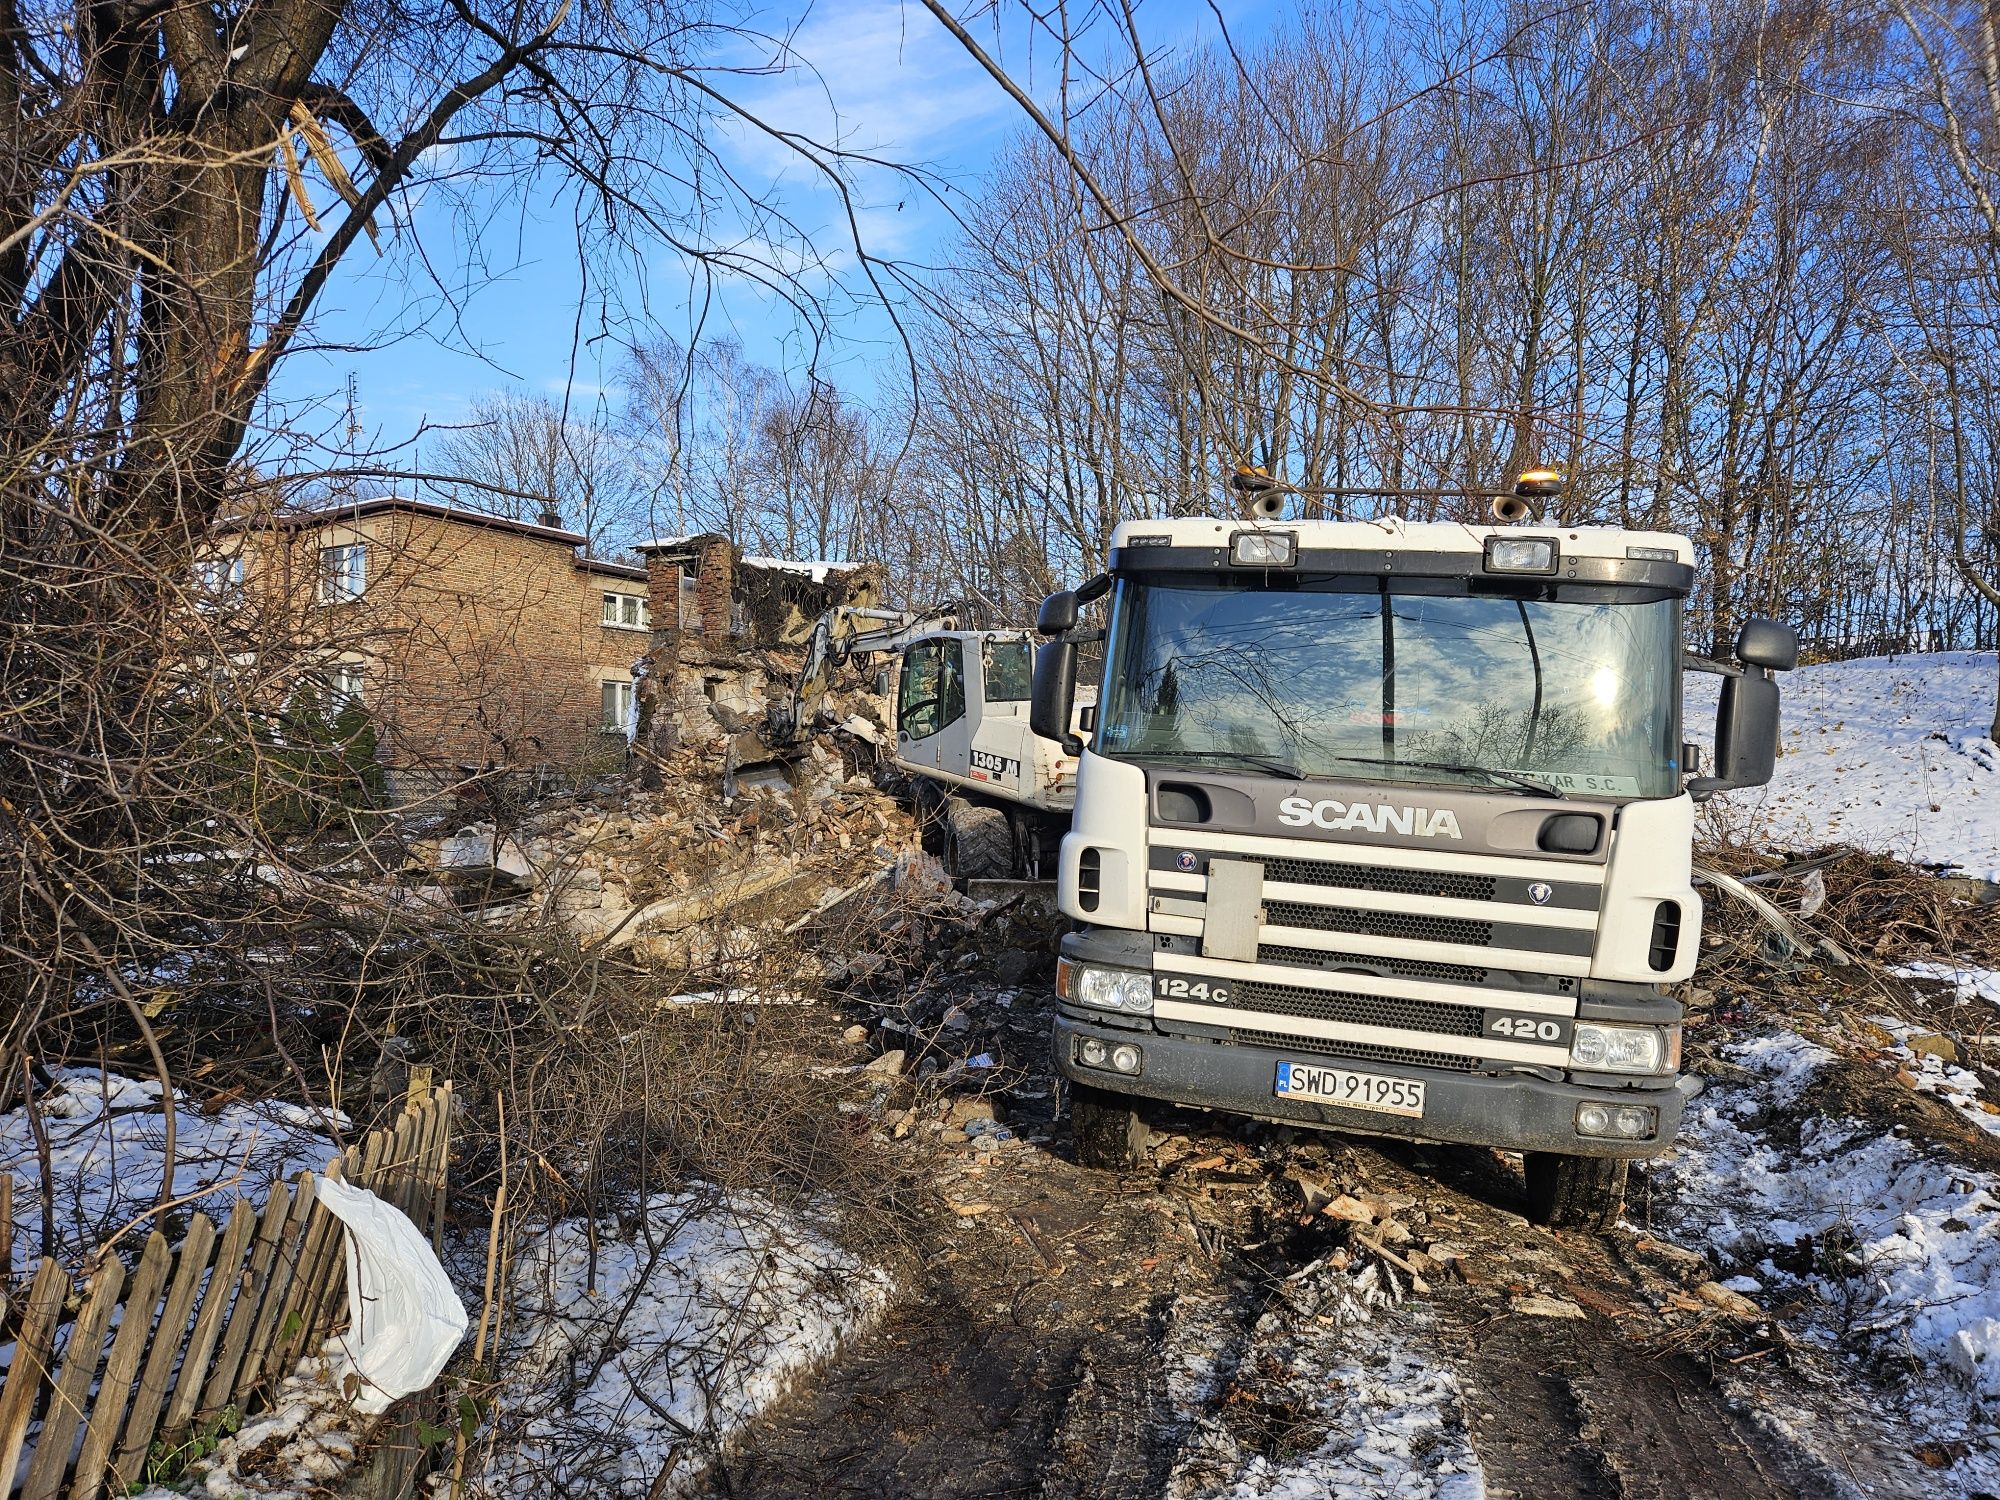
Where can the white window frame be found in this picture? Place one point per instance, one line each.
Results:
(614, 696)
(345, 687)
(624, 611)
(219, 580)
(343, 572)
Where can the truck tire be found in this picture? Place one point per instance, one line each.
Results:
(1107, 1130)
(1575, 1192)
(978, 842)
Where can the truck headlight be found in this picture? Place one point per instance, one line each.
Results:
(1127, 990)
(1529, 554)
(1598, 1048)
(1263, 549)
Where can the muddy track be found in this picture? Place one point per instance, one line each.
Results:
(1034, 1352)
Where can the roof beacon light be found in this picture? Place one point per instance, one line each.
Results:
(1538, 484)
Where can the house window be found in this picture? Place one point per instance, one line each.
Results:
(218, 581)
(343, 687)
(617, 704)
(690, 604)
(626, 612)
(343, 573)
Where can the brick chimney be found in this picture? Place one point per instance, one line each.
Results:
(714, 585)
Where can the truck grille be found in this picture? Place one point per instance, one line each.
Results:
(1458, 887)
(1389, 924)
(1408, 968)
(1359, 1010)
(1358, 1051)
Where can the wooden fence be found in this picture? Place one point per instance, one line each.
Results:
(209, 1325)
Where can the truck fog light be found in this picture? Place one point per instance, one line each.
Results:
(1635, 1123)
(1127, 990)
(1125, 1058)
(1092, 1052)
(1599, 1048)
(1618, 1122)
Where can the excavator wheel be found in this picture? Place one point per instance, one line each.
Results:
(978, 842)
(1575, 1192)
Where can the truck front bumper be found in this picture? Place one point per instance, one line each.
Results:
(1513, 1111)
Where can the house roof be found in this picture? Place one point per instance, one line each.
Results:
(354, 510)
(613, 569)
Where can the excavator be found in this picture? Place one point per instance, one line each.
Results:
(993, 795)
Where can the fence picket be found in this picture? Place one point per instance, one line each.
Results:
(29, 1372)
(79, 1367)
(135, 1327)
(221, 1389)
(215, 1301)
(190, 1261)
(284, 1266)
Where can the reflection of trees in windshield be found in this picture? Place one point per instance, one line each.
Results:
(1317, 677)
(1496, 736)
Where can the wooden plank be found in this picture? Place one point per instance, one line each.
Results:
(29, 1371)
(190, 1261)
(135, 1329)
(396, 1168)
(221, 1388)
(283, 1268)
(222, 1287)
(317, 1251)
(72, 1393)
(441, 1179)
(332, 1306)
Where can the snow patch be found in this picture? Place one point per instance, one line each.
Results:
(1888, 754)
(1970, 983)
(1895, 1257)
(698, 1321)
(107, 1153)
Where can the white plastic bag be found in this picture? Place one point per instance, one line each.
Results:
(404, 1316)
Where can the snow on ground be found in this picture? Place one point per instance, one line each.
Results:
(106, 1139)
(1969, 982)
(1895, 1258)
(1376, 1418)
(1889, 754)
(699, 1320)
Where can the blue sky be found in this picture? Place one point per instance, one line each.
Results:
(885, 78)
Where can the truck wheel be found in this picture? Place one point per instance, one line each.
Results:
(1109, 1135)
(979, 844)
(1575, 1192)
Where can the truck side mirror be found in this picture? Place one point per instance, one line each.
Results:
(1768, 644)
(1055, 689)
(1058, 613)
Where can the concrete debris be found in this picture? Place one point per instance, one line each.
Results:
(889, 1062)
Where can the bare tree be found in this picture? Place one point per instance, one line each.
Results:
(515, 446)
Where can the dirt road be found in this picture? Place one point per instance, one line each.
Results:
(1261, 1312)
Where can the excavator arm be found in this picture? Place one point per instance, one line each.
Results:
(845, 632)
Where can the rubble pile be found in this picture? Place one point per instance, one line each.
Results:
(642, 871)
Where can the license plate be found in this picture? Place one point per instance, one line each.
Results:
(1388, 1096)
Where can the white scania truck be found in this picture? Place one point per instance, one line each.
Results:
(1386, 828)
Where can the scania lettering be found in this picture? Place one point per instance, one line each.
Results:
(1387, 827)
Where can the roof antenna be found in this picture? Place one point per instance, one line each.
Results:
(345, 485)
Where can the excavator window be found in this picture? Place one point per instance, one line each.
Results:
(951, 693)
(917, 695)
(1010, 672)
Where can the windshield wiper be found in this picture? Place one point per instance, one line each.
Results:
(1509, 778)
(1243, 757)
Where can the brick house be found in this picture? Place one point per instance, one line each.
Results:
(474, 641)
(479, 642)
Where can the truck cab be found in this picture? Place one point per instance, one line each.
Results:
(1388, 828)
(999, 794)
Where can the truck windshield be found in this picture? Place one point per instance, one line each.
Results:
(1351, 678)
